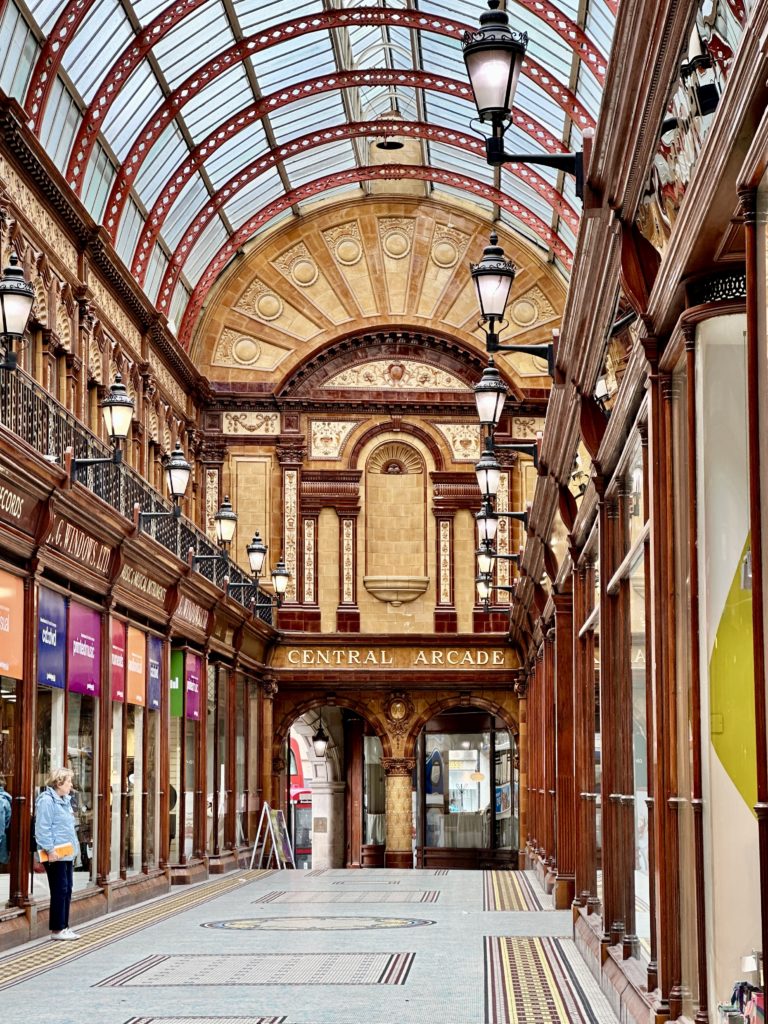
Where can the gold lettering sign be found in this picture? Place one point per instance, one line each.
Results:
(192, 612)
(73, 541)
(394, 657)
(136, 579)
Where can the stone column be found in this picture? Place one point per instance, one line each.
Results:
(399, 850)
(327, 824)
(268, 693)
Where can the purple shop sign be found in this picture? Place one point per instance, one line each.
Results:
(51, 638)
(192, 669)
(154, 662)
(84, 665)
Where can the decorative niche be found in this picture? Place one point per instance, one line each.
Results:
(395, 524)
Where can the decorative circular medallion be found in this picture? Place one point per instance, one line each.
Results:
(304, 272)
(525, 312)
(445, 254)
(348, 251)
(397, 244)
(315, 924)
(246, 351)
(268, 306)
(398, 707)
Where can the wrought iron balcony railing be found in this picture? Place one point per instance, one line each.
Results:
(29, 411)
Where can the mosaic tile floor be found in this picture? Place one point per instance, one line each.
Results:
(287, 948)
(352, 896)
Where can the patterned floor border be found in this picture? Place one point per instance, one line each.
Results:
(511, 890)
(205, 970)
(349, 896)
(206, 1020)
(530, 981)
(46, 955)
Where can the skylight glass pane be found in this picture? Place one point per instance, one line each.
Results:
(147, 10)
(60, 122)
(443, 55)
(448, 190)
(338, 156)
(215, 103)
(46, 12)
(450, 158)
(18, 53)
(589, 92)
(102, 36)
(98, 179)
(567, 235)
(238, 151)
(255, 15)
(128, 233)
(522, 229)
(515, 187)
(131, 108)
(318, 111)
(162, 160)
(193, 196)
(255, 195)
(353, 192)
(158, 263)
(193, 42)
(295, 60)
(600, 25)
(448, 111)
(206, 247)
(178, 305)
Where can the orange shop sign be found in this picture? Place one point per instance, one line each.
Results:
(11, 626)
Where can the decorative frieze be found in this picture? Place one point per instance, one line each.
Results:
(503, 539)
(463, 438)
(255, 424)
(445, 561)
(108, 306)
(327, 437)
(32, 209)
(310, 528)
(169, 384)
(345, 243)
(523, 427)
(347, 561)
(396, 236)
(395, 375)
(530, 308)
(211, 501)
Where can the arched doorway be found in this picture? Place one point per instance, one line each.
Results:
(466, 796)
(333, 788)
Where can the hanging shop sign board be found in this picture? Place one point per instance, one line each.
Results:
(11, 626)
(136, 580)
(117, 660)
(84, 661)
(192, 683)
(154, 664)
(136, 668)
(51, 638)
(177, 684)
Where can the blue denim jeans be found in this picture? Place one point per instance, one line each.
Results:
(60, 883)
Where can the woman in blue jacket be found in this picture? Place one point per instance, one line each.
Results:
(55, 827)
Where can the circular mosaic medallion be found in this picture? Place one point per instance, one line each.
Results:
(246, 351)
(348, 251)
(304, 272)
(397, 244)
(315, 924)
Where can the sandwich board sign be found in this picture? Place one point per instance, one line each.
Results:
(272, 840)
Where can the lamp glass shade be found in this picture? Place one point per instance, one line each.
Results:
(493, 277)
(483, 587)
(485, 559)
(488, 472)
(117, 410)
(257, 552)
(490, 396)
(320, 741)
(280, 577)
(477, 776)
(177, 473)
(16, 298)
(226, 521)
(487, 523)
(494, 57)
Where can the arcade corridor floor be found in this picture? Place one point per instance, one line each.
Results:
(316, 947)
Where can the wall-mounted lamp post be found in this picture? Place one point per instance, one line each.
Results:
(117, 410)
(16, 298)
(177, 473)
(494, 58)
(257, 554)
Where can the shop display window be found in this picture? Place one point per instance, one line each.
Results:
(638, 662)
(134, 778)
(374, 792)
(152, 790)
(190, 804)
(116, 789)
(8, 776)
(241, 822)
(82, 727)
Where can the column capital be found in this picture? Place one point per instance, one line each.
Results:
(269, 686)
(402, 766)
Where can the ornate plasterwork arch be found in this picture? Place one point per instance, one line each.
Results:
(455, 701)
(294, 707)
